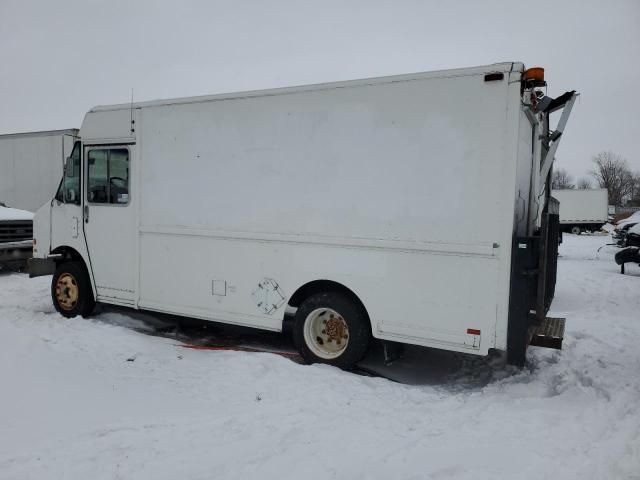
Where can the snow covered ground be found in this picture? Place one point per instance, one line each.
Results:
(101, 399)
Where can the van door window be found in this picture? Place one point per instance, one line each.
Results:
(69, 189)
(108, 176)
(119, 175)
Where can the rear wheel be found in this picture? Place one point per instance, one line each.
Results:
(71, 290)
(332, 328)
(576, 230)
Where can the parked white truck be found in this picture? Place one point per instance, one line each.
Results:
(16, 237)
(582, 210)
(411, 208)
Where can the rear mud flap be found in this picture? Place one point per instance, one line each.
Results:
(533, 280)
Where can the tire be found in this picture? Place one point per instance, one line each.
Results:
(347, 339)
(71, 290)
(576, 230)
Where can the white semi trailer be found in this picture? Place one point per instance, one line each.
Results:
(582, 210)
(31, 166)
(411, 208)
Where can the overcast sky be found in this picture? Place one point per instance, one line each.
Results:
(60, 58)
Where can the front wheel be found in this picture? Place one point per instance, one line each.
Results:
(332, 328)
(71, 290)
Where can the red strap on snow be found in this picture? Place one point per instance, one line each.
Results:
(237, 349)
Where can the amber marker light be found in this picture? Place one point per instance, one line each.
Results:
(534, 73)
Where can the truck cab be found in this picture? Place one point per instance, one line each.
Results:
(92, 211)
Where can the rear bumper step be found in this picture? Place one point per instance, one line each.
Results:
(549, 333)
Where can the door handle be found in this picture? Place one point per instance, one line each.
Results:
(86, 214)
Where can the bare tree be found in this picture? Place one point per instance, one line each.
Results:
(634, 197)
(612, 172)
(561, 180)
(584, 184)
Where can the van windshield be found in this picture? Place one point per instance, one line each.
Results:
(69, 189)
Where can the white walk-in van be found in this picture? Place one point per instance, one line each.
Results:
(411, 209)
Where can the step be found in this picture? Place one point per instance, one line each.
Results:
(549, 333)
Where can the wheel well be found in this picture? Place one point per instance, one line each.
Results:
(317, 286)
(68, 253)
(71, 254)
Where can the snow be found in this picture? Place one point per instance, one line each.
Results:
(105, 399)
(7, 213)
(635, 229)
(633, 218)
(607, 227)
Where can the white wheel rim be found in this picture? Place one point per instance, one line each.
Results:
(326, 333)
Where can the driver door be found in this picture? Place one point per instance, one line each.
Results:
(109, 221)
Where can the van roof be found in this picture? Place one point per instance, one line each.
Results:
(458, 72)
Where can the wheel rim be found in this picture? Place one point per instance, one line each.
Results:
(67, 291)
(326, 333)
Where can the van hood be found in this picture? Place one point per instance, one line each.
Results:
(7, 213)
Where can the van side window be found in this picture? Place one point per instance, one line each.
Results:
(108, 176)
(69, 189)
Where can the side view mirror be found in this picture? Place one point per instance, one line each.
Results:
(71, 196)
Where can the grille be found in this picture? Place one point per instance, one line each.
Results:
(16, 230)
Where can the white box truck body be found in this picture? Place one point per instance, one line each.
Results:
(582, 210)
(31, 166)
(383, 207)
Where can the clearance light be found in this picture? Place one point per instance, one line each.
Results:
(473, 331)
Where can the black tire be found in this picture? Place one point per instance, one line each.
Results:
(72, 276)
(351, 312)
(576, 230)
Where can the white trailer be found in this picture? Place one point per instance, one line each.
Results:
(385, 207)
(31, 166)
(582, 210)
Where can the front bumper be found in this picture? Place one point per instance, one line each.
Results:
(38, 267)
(15, 252)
